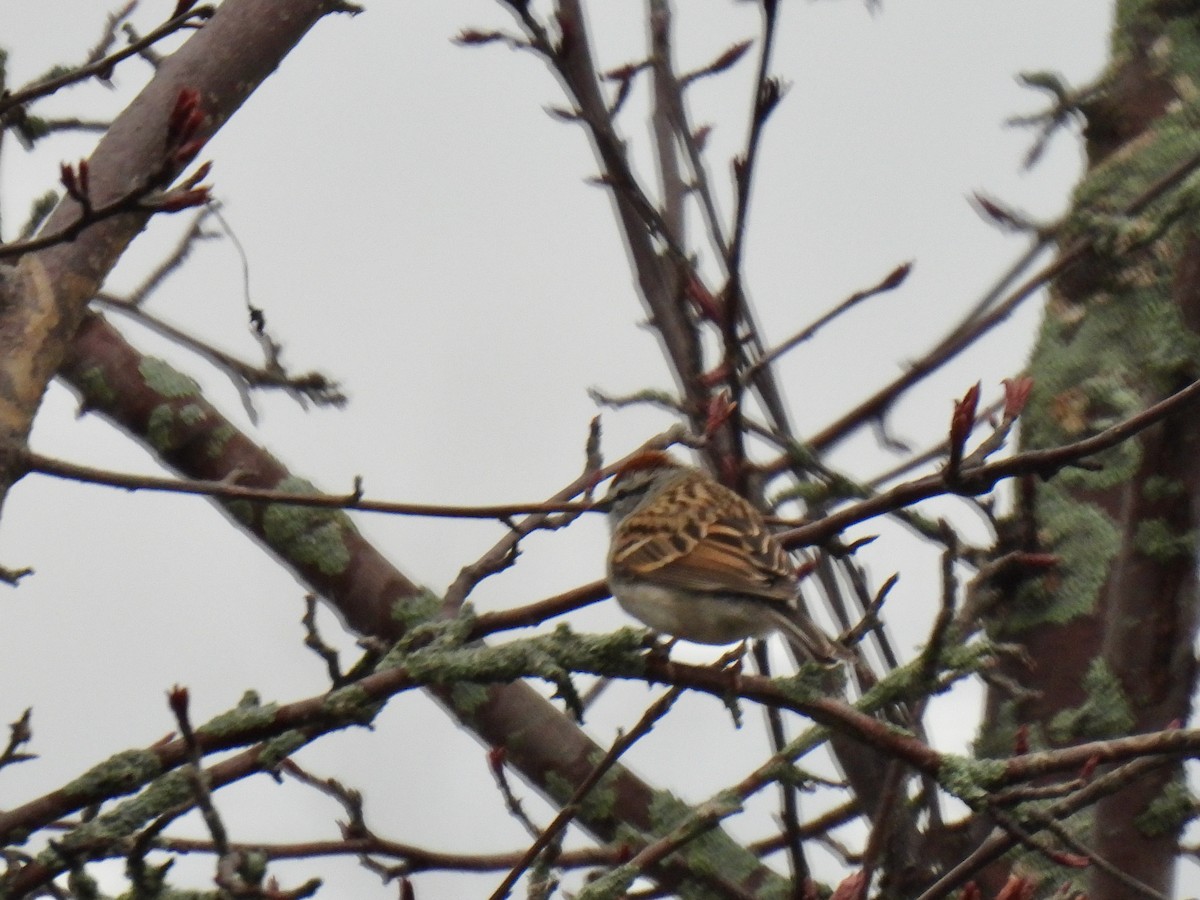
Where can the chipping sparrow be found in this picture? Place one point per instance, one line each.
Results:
(692, 559)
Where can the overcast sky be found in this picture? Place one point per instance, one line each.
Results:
(419, 228)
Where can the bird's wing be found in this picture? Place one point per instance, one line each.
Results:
(726, 549)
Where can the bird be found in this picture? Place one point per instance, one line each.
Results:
(693, 559)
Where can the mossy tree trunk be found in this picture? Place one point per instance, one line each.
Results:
(1110, 631)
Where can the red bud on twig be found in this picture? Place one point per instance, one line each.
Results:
(769, 95)
(1021, 741)
(857, 544)
(76, 182)
(183, 121)
(1018, 887)
(718, 65)
(720, 408)
(1038, 560)
(496, 757)
(184, 153)
(198, 176)
(569, 34)
(179, 698)
(713, 377)
(67, 177)
(894, 278)
(1016, 395)
(1089, 768)
(962, 422)
(469, 36)
(703, 299)
(739, 169)
(853, 887)
(178, 200)
(1070, 860)
(998, 215)
(625, 72)
(729, 57)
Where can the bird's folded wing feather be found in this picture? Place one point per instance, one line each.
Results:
(727, 549)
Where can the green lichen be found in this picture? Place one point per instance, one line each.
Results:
(1116, 342)
(1169, 812)
(165, 380)
(811, 682)
(600, 802)
(40, 210)
(998, 737)
(83, 886)
(971, 780)
(1085, 541)
(1159, 487)
(560, 788)
(219, 438)
(305, 535)
(242, 510)
(468, 698)
(1105, 713)
(172, 790)
(245, 718)
(160, 428)
(708, 851)
(192, 414)
(118, 774)
(417, 609)
(253, 868)
(1159, 541)
(612, 885)
(553, 658)
(96, 389)
(810, 493)
(32, 128)
(280, 748)
(351, 704)
(598, 805)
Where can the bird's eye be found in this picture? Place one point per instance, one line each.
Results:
(622, 488)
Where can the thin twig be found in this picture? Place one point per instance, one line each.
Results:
(790, 813)
(54, 468)
(999, 842)
(566, 814)
(977, 323)
(19, 734)
(980, 479)
(101, 67)
(890, 282)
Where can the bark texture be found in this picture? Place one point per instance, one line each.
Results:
(1110, 630)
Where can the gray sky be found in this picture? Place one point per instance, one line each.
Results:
(420, 229)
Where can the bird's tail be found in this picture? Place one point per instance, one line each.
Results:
(809, 640)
